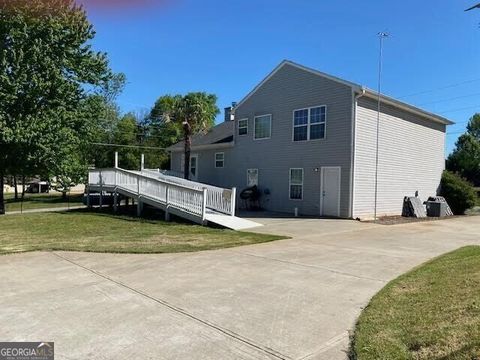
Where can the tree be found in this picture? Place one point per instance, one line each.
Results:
(473, 126)
(465, 158)
(192, 113)
(103, 114)
(127, 133)
(46, 67)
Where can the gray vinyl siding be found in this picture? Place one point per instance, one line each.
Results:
(175, 161)
(412, 158)
(207, 173)
(289, 89)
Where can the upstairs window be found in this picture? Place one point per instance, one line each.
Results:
(262, 127)
(296, 184)
(243, 127)
(219, 160)
(310, 123)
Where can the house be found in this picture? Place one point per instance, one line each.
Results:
(308, 140)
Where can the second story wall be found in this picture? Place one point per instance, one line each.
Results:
(292, 88)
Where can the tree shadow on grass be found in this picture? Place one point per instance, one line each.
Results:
(149, 215)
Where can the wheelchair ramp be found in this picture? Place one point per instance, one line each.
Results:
(197, 202)
(230, 222)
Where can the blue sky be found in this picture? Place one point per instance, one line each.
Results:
(227, 47)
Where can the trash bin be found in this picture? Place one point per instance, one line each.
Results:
(436, 209)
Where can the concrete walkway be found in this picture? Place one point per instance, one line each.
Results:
(45, 210)
(290, 299)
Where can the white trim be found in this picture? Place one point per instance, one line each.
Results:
(290, 183)
(298, 66)
(255, 128)
(243, 127)
(207, 147)
(322, 173)
(353, 164)
(196, 167)
(309, 124)
(358, 88)
(248, 184)
(407, 107)
(223, 160)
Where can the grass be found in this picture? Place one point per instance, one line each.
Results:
(102, 232)
(432, 312)
(41, 201)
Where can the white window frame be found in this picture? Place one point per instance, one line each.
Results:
(255, 127)
(196, 156)
(248, 178)
(242, 127)
(223, 160)
(309, 124)
(290, 183)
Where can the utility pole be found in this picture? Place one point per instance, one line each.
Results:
(382, 36)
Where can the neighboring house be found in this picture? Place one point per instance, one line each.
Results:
(308, 140)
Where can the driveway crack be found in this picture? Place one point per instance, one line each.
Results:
(312, 266)
(178, 310)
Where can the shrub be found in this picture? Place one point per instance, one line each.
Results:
(458, 192)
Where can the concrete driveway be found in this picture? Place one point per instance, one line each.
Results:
(291, 299)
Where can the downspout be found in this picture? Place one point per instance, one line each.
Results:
(233, 119)
(356, 94)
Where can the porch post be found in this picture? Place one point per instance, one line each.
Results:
(142, 163)
(204, 205)
(139, 206)
(89, 205)
(167, 213)
(115, 201)
(233, 200)
(116, 160)
(101, 191)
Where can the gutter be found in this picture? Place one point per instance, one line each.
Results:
(407, 107)
(207, 147)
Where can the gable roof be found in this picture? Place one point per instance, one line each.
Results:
(355, 87)
(218, 136)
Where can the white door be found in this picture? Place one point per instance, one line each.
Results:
(330, 191)
(194, 167)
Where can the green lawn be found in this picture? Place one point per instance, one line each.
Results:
(41, 201)
(102, 232)
(432, 312)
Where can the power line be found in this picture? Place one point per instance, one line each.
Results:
(129, 146)
(460, 109)
(449, 99)
(456, 133)
(439, 88)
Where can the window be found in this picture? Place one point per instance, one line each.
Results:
(193, 166)
(296, 184)
(243, 127)
(219, 160)
(300, 125)
(252, 177)
(262, 127)
(309, 124)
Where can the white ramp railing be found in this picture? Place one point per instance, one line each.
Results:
(188, 196)
(218, 199)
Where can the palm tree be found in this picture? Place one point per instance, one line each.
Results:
(194, 113)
